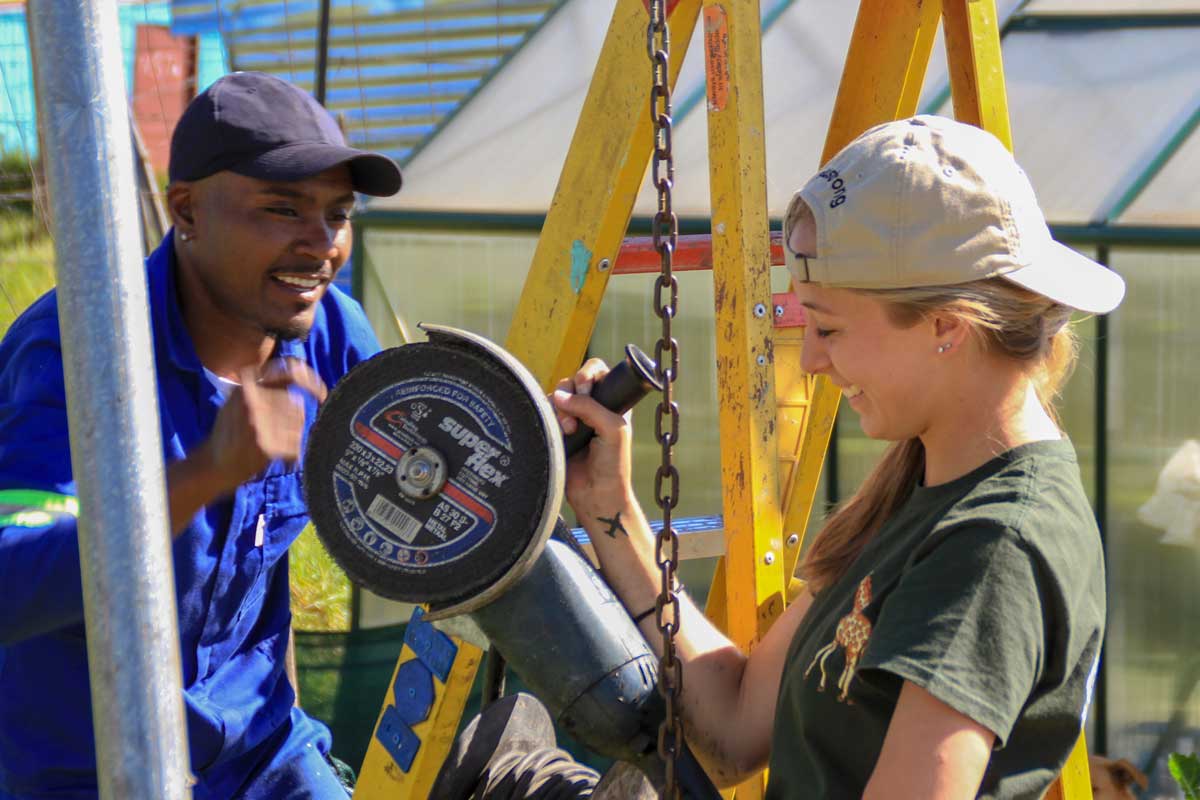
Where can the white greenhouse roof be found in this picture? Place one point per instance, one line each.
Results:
(1089, 112)
(1104, 97)
(1174, 195)
(504, 147)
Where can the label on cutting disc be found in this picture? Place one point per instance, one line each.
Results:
(444, 413)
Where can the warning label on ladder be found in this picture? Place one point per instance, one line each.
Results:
(716, 54)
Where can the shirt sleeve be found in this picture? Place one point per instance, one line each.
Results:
(965, 623)
(40, 584)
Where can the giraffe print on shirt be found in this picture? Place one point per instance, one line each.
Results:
(852, 634)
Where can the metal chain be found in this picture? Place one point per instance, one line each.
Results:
(666, 352)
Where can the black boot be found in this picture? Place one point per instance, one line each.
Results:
(508, 752)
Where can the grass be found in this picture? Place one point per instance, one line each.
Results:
(26, 251)
(320, 590)
(26, 266)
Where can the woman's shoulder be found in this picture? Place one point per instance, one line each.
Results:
(1035, 495)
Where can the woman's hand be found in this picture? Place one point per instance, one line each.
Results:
(599, 478)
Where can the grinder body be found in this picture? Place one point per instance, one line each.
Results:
(568, 637)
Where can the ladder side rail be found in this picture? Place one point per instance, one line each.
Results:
(594, 199)
(751, 581)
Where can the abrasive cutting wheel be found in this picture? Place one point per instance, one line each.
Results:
(434, 472)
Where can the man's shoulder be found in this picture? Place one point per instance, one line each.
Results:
(1036, 499)
(32, 389)
(34, 331)
(38, 321)
(340, 337)
(341, 325)
(341, 309)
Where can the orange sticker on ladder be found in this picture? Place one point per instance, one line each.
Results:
(716, 57)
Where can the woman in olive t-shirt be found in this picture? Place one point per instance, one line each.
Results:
(946, 640)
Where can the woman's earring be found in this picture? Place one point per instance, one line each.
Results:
(942, 348)
(185, 236)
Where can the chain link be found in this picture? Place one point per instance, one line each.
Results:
(666, 483)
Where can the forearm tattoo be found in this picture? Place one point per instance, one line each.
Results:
(614, 524)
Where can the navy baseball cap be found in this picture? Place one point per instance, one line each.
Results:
(257, 125)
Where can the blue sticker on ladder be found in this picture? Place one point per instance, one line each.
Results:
(397, 738)
(432, 646)
(581, 257)
(413, 691)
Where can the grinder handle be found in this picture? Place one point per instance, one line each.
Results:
(620, 390)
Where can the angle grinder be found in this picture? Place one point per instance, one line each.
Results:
(434, 475)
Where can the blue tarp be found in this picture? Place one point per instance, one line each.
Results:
(18, 126)
(396, 68)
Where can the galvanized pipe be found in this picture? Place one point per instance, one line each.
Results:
(116, 448)
(322, 68)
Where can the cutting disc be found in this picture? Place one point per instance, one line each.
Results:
(434, 471)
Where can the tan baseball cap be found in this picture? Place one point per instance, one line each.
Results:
(929, 201)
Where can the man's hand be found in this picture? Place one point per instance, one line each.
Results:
(261, 421)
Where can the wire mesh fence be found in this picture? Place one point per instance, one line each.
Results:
(161, 78)
(25, 250)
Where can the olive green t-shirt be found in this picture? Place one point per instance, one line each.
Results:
(987, 592)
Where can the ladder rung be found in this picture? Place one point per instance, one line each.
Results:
(692, 252)
(699, 537)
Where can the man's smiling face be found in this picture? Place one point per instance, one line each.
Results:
(264, 252)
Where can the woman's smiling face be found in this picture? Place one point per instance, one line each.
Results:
(883, 369)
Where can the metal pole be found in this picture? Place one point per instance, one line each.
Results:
(322, 52)
(1100, 745)
(116, 448)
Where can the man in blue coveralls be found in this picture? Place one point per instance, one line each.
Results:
(247, 332)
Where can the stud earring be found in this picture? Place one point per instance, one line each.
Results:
(942, 348)
(185, 236)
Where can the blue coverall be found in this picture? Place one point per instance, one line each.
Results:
(246, 738)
